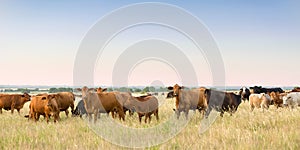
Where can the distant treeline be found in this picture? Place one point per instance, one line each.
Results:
(61, 89)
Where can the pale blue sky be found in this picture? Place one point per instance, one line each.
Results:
(259, 40)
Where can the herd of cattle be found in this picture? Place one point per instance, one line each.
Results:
(96, 101)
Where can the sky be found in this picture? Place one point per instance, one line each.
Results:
(258, 42)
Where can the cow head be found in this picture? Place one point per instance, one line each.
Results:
(100, 90)
(176, 89)
(84, 90)
(25, 97)
(244, 93)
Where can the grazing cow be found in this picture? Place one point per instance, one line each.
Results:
(292, 99)
(261, 100)
(244, 93)
(188, 99)
(13, 101)
(144, 106)
(222, 101)
(43, 105)
(277, 99)
(80, 109)
(259, 89)
(104, 102)
(64, 101)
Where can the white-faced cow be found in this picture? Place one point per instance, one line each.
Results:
(292, 100)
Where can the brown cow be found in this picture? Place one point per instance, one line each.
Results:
(64, 100)
(276, 97)
(104, 102)
(121, 97)
(43, 105)
(144, 106)
(13, 101)
(188, 99)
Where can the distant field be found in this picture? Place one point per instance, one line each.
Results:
(272, 129)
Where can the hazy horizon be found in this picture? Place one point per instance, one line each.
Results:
(258, 41)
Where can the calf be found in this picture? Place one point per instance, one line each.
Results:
(259, 101)
(222, 101)
(80, 109)
(43, 105)
(13, 101)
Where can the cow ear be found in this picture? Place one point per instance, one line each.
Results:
(78, 89)
(170, 88)
(207, 92)
(105, 89)
(181, 87)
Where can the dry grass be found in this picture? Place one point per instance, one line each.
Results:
(272, 129)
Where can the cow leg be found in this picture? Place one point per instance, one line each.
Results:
(156, 115)
(67, 113)
(47, 118)
(95, 117)
(177, 113)
(18, 111)
(140, 118)
(12, 108)
(90, 117)
(149, 118)
(0, 110)
(222, 113)
(146, 117)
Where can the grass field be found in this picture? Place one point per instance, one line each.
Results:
(272, 129)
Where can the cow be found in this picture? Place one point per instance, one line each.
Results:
(80, 109)
(121, 97)
(244, 93)
(277, 99)
(188, 100)
(292, 99)
(43, 105)
(144, 106)
(64, 101)
(261, 100)
(259, 89)
(296, 89)
(104, 102)
(222, 101)
(13, 101)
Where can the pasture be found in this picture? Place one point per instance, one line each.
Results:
(272, 129)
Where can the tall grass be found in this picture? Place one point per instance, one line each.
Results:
(272, 129)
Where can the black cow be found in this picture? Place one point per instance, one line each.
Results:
(80, 109)
(259, 89)
(222, 101)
